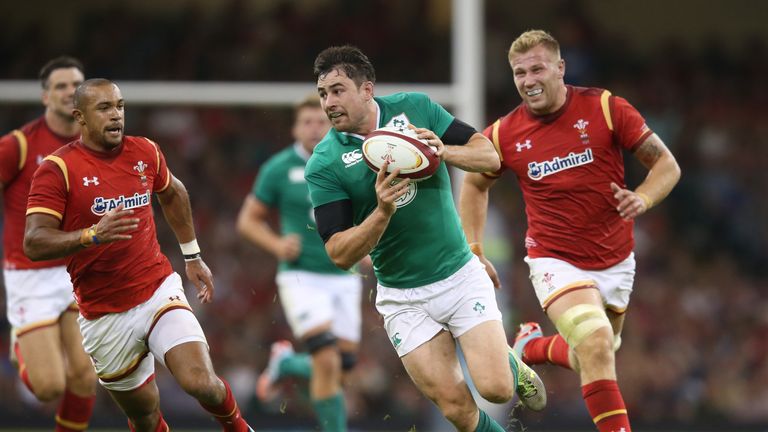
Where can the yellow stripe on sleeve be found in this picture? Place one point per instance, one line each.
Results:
(22, 139)
(62, 166)
(495, 138)
(606, 108)
(45, 210)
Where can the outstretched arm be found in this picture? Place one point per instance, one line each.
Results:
(473, 210)
(174, 201)
(663, 175)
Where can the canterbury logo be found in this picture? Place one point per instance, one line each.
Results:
(351, 158)
(90, 181)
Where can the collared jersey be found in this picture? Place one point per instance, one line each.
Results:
(423, 242)
(21, 151)
(78, 186)
(565, 163)
(281, 185)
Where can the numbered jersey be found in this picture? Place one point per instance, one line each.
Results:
(78, 186)
(565, 163)
(423, 242)
(281, 185)
(21, 151)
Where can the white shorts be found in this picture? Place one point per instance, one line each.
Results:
(552, 278)
(123, 346)
(458, 303)
(311, 299)
(37, 297)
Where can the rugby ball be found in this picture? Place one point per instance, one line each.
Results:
(416, 159)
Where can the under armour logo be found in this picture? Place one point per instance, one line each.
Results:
(526, 145)
(90, 181)
(174, 298)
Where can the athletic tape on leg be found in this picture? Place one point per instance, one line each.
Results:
(580, 321)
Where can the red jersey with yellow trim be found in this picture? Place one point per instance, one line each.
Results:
(565, 163)
(78, 186)
(21, 151)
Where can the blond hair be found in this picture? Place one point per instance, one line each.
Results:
(531, 39)
(312, 100)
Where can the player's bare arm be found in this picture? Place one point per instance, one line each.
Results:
(253, 225)
(663, 175)
(477, 155)
(347, 247)
(174, 201)
(44, 240)
(473, 210)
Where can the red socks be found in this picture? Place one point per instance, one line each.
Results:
(227, 413)
(551, 349)
(606, 406)
(74, 412)
(162, 426)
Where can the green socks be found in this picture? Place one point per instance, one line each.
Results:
(513, 365)
(487, 424)
(296, 365)
(332, 414)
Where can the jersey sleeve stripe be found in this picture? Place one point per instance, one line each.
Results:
(22, 139)
(167, 180)
(157, 151)
(495, 138)
(604, 99)
(45, 210)
(62, 166)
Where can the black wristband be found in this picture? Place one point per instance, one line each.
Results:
(192, 257)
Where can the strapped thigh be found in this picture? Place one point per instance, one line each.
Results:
(580, 321)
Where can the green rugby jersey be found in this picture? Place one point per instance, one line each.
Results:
(281, 185)
(424, 242)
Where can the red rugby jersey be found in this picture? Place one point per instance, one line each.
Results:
(21, 151)
(78, 186)
(565, 163)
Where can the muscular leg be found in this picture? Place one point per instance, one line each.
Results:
(81, 377)
(76, 405)
(485, 350)
(590, 333)
(434, 368)
(41, 355)
(141, 405)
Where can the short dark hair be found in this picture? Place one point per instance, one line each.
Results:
(63, 62)
(347, 58)
(83, 88)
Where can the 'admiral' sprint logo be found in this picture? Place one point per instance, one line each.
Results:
(102, 205)
(539, 170)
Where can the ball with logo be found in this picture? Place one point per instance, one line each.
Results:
(400, 147)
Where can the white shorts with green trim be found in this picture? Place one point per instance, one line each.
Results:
(413, 316)
(311, 299)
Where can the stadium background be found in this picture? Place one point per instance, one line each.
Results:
(695, 353)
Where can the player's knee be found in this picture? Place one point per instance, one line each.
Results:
(46, 386)
(320, 341)
(495, 390)
(456, 407)
(597, 349)
(578, 324)
(326, 361)
(81, 376)
(202, 385)
(348, 361)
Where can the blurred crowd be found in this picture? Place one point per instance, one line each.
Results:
(694, 350)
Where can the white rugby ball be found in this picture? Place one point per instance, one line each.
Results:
(399, 146)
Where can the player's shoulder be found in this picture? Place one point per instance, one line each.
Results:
(28, 130)
(401, 99)
(325, 152)
(141, 142)
(67, 151)
(282, 158)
